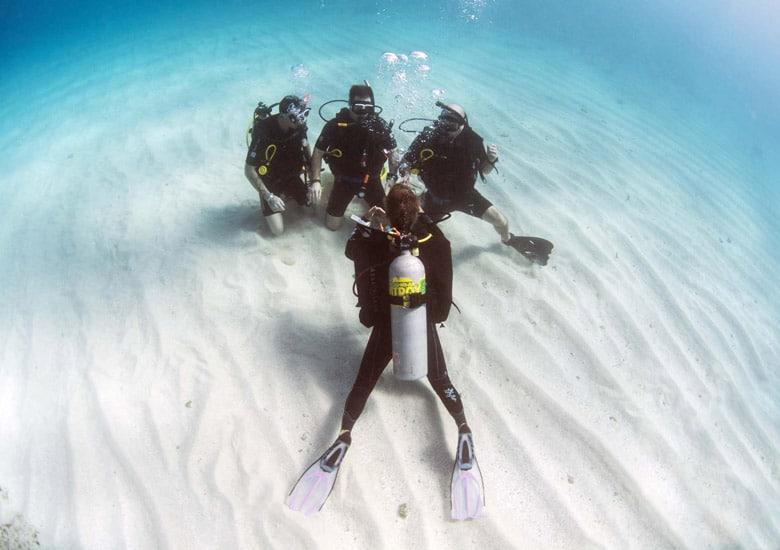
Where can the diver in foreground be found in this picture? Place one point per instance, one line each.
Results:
(355, 144)
(277, 158)
(448, 156)
(401, 296)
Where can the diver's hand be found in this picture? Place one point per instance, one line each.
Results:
(492, 153)
(377, 217)
(275, 203)
(315, 193)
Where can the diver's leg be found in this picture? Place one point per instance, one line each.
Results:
(297, 189)
(333, 222)
(375, 194)
(340, 196)
(375, 359)
(436, 209)
(440, 380)
(275, 223)
(273, 219)
(478, 206)
(499, 222)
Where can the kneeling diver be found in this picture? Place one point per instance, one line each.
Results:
(448, 156)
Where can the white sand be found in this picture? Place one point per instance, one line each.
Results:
(167, 370)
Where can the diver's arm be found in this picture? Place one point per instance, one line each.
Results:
(487, 167)
(307, 159)
(393, 162)
(405, 163)
(251, 174)
(315, 187)
(316, 164)
(410, 159)
(489, 164)
(404, 170)
(404, 174)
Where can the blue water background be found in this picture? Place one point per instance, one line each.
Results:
(724, 56)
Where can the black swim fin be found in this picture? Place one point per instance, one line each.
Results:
(535, 249)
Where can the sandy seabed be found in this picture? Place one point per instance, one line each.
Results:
(168, 369)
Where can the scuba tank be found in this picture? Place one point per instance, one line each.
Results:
(408, 315)
(262, 111)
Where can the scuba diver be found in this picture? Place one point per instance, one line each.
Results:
(404, 228)
(278, 155)
(355, 144)
(448, 156)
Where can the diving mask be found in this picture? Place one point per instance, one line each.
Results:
(297, 114)
(362, 109)
(452, 119)
(449, 123)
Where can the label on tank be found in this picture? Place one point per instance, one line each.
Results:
(402, 286)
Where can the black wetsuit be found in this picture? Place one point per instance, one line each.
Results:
(449, 170)
(372, 254)
(279, 158)
(355, 152)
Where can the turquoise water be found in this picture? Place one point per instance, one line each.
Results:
(710, 73)
(721, 57)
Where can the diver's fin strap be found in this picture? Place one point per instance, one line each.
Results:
(409, 301)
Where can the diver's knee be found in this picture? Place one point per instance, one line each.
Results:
(276, 223)
(333, 222)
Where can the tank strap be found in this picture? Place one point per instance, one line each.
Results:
(409, 301)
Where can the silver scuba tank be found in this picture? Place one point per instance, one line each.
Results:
(408, 317)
